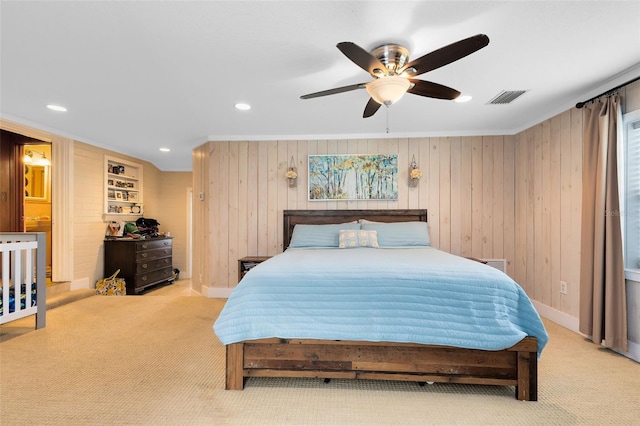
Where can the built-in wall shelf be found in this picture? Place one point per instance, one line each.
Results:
(122, 187)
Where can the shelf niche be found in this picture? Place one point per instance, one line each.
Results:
(122, 187)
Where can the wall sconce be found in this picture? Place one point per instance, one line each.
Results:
(414, 172)
(292, 174)
(42, 161)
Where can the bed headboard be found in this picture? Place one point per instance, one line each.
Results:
(322, 217)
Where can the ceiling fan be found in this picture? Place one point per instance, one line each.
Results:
(394, 75)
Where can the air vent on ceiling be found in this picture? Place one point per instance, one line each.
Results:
(506, 97)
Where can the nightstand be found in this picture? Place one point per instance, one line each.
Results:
(477, 260)
(246, 263)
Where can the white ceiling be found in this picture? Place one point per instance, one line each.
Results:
(137, 76)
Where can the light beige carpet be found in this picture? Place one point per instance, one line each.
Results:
(154, 359)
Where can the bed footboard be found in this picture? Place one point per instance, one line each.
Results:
(515, 366)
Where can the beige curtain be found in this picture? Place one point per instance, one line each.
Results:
(603, 306)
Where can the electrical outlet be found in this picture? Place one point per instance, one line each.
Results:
(563, 287)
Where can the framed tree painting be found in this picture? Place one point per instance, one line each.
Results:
(353, 177)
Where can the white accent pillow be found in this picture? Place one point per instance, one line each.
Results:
(352, 238)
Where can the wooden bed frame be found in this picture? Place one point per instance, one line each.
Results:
(516, 366)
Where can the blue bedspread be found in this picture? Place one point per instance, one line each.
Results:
(419, 295)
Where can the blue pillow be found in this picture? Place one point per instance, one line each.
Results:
(400, 234)
(319, 235)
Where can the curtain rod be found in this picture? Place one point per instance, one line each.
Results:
(581, 104)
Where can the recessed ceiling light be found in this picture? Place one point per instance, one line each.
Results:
(165, 150)
(56, 108)
(243, 107)
(463, 98)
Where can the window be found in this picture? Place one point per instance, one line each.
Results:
(631, 194)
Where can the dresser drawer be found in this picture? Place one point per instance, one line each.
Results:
(147, 266)
(142, 263)
(153, 254)
(143, 280)
(152, 244)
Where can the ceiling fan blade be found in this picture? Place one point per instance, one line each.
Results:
(447, 54)
(362, 58)
(432, 90)
(371, 108)
(334, 91)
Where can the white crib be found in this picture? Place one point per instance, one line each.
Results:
(23, 263)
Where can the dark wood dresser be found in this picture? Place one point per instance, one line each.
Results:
(142, 263)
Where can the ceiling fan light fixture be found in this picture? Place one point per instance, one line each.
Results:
(408, 72)
(387, 90)
(394, 75)
(463, 98)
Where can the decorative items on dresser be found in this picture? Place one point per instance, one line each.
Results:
(142, 262)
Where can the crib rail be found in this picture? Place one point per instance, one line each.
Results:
(23, 263)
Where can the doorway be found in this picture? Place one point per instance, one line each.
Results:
(37, 194)
(26, 188)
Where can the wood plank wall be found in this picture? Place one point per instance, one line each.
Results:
(515, 197)
(548, 196)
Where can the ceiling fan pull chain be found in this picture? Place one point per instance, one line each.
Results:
(387, 105)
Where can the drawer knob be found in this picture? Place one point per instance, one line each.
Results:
(144, 245)
(144, 254)
(144, 278)
(144, 266)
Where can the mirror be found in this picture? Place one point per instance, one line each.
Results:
(36, 182)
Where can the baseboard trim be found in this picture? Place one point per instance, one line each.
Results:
(216, 292)
(565, 320)
(80, 284)
(573, 324)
